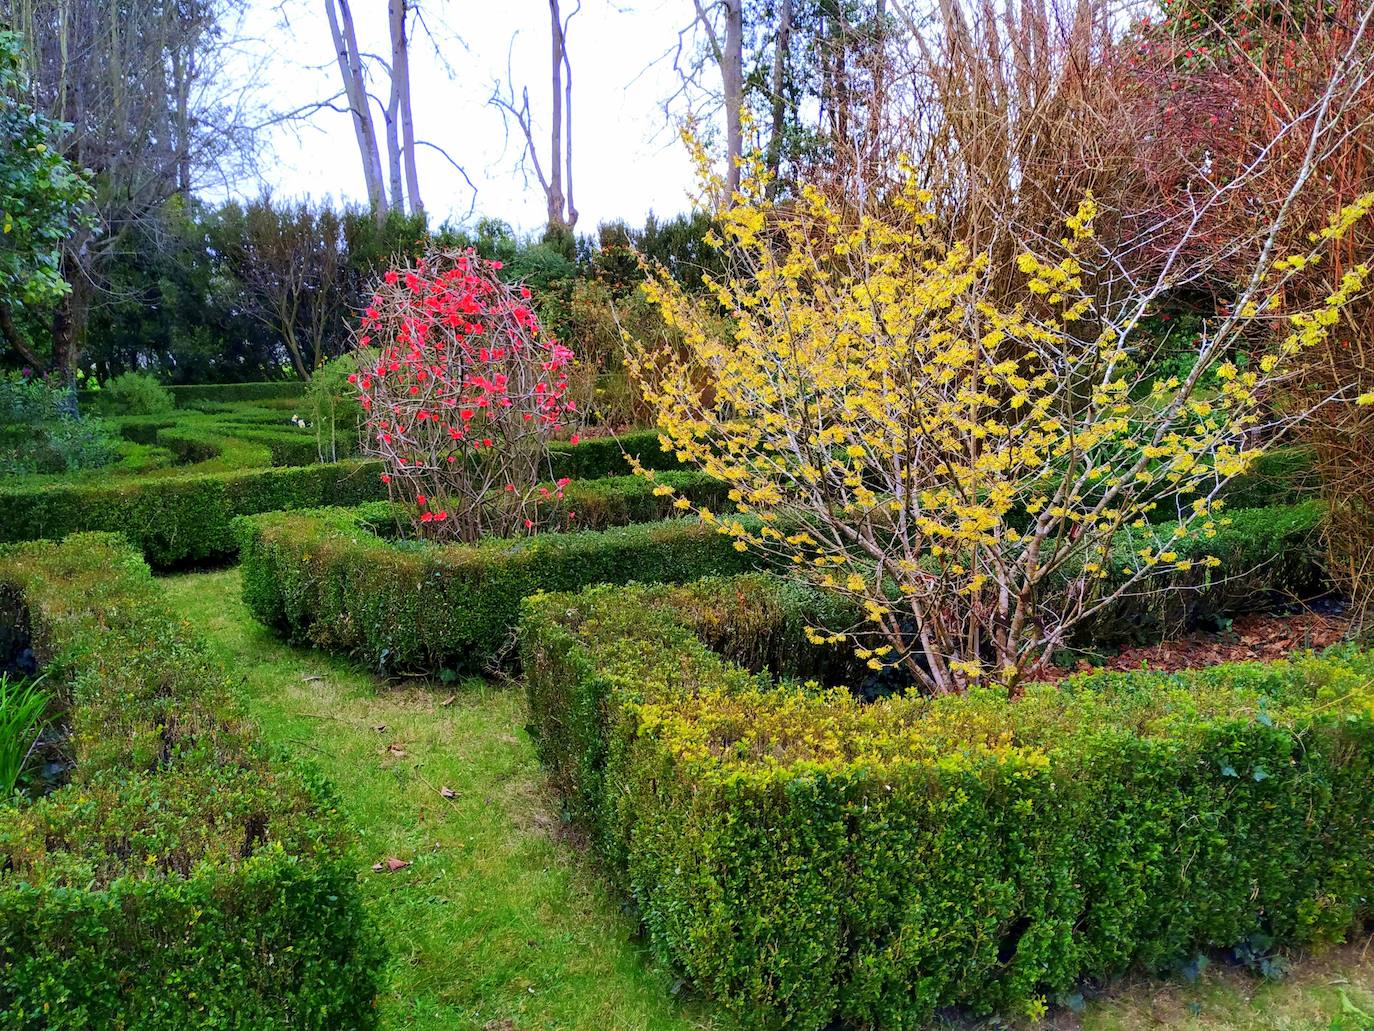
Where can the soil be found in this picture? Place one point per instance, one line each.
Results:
(1248, 638)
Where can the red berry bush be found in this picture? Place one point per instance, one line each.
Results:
(462, 393)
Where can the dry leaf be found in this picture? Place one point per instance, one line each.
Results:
(390, 865)
(448, 792)
(448, 701)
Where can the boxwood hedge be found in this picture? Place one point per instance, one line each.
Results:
(333, 579)
(188, 394)
(182, 514)
(185, 877)
(806, 858)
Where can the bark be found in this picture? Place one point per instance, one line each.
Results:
(557, 217)
(16, 340)
(732, 79)
(729, 57)
(400, 85)
(781, 48)
(355, 91)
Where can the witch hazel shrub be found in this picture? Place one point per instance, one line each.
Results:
(462, 393)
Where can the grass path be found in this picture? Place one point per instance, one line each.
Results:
(495, 926)
(500, 926)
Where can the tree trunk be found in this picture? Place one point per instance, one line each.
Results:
(568, 124)
(557, 218)
(732, 80)
(400, 85)
(355, 91)
(781, 48)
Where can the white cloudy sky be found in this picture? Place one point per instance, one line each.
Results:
(627, 159)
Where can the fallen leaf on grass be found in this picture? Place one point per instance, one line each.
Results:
(380, 728)
(397, 749)
(449, 700)
(390, 865)
(448, 792)
(311, 679)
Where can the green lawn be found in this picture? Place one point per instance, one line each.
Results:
(501, 924)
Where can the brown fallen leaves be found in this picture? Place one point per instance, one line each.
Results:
(1250, 638)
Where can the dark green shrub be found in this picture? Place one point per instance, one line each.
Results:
(181, 519)
(805, 858)
(134, 393)
(330, 578)
(181, 514)
(186, 877)
(40, 431)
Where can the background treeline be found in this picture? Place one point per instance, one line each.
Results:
(268, 290)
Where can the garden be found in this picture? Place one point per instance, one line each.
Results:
(928, 584)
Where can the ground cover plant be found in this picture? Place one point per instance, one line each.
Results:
(182, 851)
(767, 831)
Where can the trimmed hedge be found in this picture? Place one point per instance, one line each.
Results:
(187, 394)
(182, 514)
(805, 858)
(185, 877)
(331, 578)
(181, 519)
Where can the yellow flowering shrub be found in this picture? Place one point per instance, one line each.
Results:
(963, 470)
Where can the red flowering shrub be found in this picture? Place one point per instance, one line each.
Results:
(461, 396)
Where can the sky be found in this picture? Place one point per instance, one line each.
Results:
(627, 159)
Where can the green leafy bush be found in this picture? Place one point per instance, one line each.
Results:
(242, 465)
(22, 709)
(187, 876)
(134, 393)
(40, 431)
(186, 395)
(330, 577)
(805, 858)
(332, 410)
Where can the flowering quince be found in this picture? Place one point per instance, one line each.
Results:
(461, 390)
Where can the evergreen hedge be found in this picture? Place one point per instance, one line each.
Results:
(805, 858)
(332, 578)
(186, 877)
(238, 465)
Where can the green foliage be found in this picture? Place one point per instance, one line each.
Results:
(179, 519)
(806, 858)
(41, 192)
(22, 708)
(333, 579)
(40, 434)
(242, 460)
(186, 877)
(331, 407)
(134, 393)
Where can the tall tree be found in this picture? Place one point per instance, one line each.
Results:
(350, 59)
(141, 83)
(42, 195)
(398, 11)
(557, 182)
